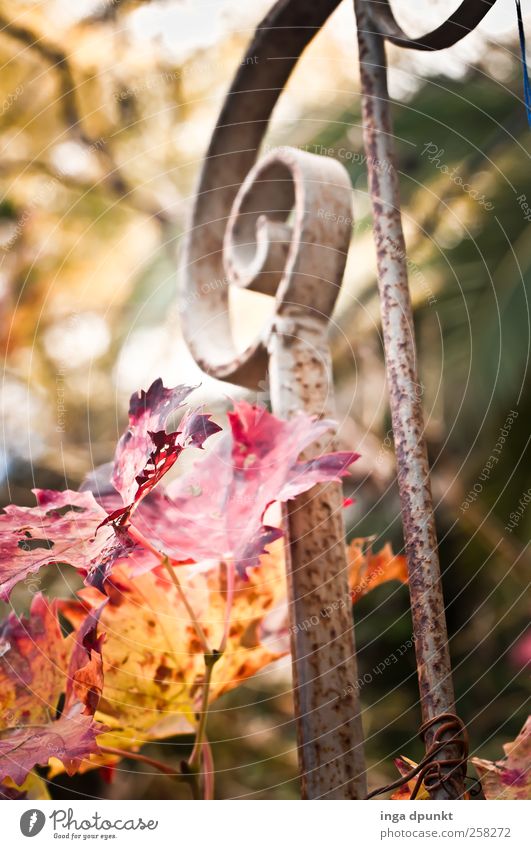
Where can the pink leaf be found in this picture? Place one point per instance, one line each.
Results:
(216, 510)
(146, 452)
(62, 528)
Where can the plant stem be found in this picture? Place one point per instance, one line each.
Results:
(201, 745)
(208, 766)
(210, 661)
(135, 756)
(193, 618)
(230, 571)
(139, 537)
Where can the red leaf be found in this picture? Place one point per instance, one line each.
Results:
(85, 674)
(70, 739)
(33, 664)
(217, 509)
(34, 674)
(148, 413)
(509, 778)
(214, 512)
(61, 529)
(146, 452)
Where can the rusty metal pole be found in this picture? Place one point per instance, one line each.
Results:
(287, 236)
(303, 264)
(427, 605)
(324, 666)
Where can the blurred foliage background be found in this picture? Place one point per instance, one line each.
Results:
(106, 109)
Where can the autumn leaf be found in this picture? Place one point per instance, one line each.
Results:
(403, 793)
(510, 777)
(38, 667)
(85, 678)
(71, 527)
(34, 660)
(153, 662)
(33, 787)
(145, 453)
(217, 509)
(152, 679)
(68, 527)
(70, 738)
(368, 570)
(148, 413)
(62, 528)
(118, 544)
(148, 669)
(214, 512)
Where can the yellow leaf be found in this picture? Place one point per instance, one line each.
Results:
(153, 661)
(403, 793)
(34, 786)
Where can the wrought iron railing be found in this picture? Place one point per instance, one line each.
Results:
(257, 225)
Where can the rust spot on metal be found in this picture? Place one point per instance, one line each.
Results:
(427, 605)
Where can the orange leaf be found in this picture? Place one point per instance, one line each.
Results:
(153, 661)
(403, 793)
(368, 570)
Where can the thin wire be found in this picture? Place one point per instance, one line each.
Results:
(433, 771)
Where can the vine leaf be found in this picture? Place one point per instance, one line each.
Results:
(510, 777)
(38, 667)
(216, 510)
(368, 570)
(153, 662)
(403, 793)
(62, 528)
(148, 412)
(70, 738)
(146, 452)
(34, 659)
(85, 678)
